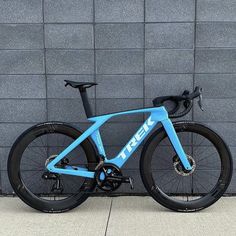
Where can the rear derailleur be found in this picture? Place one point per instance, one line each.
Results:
(57, 186)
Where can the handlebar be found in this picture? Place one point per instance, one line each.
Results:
(186, 99)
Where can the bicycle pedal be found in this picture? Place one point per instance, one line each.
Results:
(129, 180)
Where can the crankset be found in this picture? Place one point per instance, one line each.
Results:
(109, 177)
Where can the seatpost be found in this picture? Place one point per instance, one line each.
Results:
(87, 107)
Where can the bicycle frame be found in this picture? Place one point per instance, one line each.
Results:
(158, 114)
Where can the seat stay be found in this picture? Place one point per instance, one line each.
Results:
(89, 174)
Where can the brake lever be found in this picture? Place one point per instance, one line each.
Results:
(200, 102)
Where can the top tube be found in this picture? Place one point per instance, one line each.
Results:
(161, 112)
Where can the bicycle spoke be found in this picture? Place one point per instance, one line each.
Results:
(204, 158)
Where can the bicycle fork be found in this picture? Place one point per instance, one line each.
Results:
(170, 130)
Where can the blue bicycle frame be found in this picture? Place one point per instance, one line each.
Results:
(157, 114)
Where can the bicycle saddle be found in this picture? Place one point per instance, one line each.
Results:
(80, 85)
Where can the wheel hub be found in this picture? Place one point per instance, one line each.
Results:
(62, 163)
(179, 168)
(52, 157)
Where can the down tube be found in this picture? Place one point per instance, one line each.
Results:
(134, 142)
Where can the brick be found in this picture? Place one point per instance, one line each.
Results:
(22, 36)
(23, 110)
(24, 11)
(215, 60)
(4, 152)
(119, 36)
(22, 86)
(120, 86)
(169, 10)
(77, 36)
(169, 84)
(215, 34)
(68, 11)
(67, 110)
(217, 85)
(119, 11)
(70, 61)
(5, 183)
(21, 62)
(226, 130)
(221, 110)
(169, 61)
(232, 186)
(169, 35)
(110, 105)
(119, 62)
(216, 10)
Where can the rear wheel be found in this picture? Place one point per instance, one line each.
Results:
(170, 184)
(29, 177)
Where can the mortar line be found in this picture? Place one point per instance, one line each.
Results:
(45, 68)
(94, 62)
(144, 50)
(108, 219)
(194, 50)
(194, 69)
(130, 74)
(117, 22)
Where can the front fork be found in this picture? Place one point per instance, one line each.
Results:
(170, 130)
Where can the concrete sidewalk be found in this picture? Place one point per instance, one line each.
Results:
(117, 217)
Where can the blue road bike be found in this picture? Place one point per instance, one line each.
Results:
(185, 166)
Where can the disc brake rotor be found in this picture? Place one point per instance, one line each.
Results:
(179, 168)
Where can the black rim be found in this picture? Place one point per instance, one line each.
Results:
(20, 177)
(205, 184)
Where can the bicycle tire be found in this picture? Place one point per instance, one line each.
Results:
(168, 201)
(14, 171)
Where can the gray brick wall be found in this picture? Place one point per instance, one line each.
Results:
(134, 49)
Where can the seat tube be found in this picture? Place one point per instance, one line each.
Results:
(96, 136)
(86, 104)
(170, 130)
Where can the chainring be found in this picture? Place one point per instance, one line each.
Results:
(102, 174)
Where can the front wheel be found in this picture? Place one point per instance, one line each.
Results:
(170, 184)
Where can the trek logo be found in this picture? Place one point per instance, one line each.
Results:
(137, 138)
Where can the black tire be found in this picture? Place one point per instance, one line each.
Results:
(18, 167)
(178, 197)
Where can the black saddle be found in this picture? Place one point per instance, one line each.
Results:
(79, 85)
